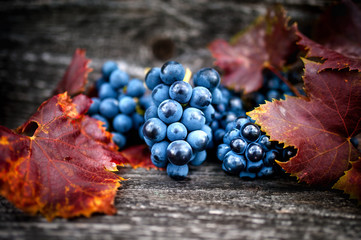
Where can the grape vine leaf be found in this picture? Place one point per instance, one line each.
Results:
(76, 76)
(270, 41)
(138, 156)
(320, 126)
(59, 162)
(339, 28)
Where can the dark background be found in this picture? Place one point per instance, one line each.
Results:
(37, 41)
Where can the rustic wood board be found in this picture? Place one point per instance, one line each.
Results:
(37, 40)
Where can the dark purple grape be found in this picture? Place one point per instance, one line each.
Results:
(238, 145)
(254, 152)
(251, 132)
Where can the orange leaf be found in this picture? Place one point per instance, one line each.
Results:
(63, 167)
(76, 76)
(350, 183)
(138, 156)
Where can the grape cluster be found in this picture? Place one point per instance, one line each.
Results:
(120, 103)
(273, 88)
(176, 127)
(248, 152)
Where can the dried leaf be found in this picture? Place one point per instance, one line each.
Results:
(63, 167)
(350, 183)
(269, 41)
(320, 127)
(138, 156)
(76, 76)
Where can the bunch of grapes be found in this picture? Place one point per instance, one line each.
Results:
(248, 152)
(176, 127)
(120, 103)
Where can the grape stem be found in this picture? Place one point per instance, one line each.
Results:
(278, 74)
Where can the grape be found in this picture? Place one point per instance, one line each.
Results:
(109, 107)
(151, 112)
(177, 172)
(250, 132)
(254, 167)
(254, 152)
(172, 71)
(238, 145)
(170, 111)
(122, 123)
(118, 79)
(229, 136)
(265, 142)
(198, 158)
(160, 93)
(107, 91)
(222, 150)
(154, 129)
(180, 91)
(193, 119)
(94, 107)
(207, 77)
(176, 131)
(159, 154)
(108, 68)
(135, 88)
(201, 98)
(207, 129)
(233, 163)
(138, 120)
(152, 79)
(127, 105)
(216, 96)
(198, 140)
(209, 114)
(119, 139)
(179, 152)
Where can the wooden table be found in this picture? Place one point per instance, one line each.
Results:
(37, 40)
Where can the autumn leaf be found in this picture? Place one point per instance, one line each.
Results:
(269, 42)
(138, 156)
(320, 127)
(58, 163)
(339, 28)
(76, 76)
(350, 183)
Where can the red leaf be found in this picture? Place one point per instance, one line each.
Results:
(332, 59)
(320, 127)
(339, 29)
(61, 169)
(76, 76)
(350, 183)
(138, 156)
(269, 41)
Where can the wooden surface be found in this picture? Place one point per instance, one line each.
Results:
(37, 40)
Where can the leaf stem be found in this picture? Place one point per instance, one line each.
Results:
(278, 74)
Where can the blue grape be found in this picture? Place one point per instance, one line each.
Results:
(160, 93)
(247, 175)
(208, 78)
(109, 107)
(198, 158)
(107, 91)
(149, 142)
(151, 112)
(170, 111)
(179, 152)
(219, 135)
(100, 82)
(154, 129)
(254, 167)
(172, 71)
(122, 123)
(119, 139)
(146, 101)
(229, 136)
(234, 163)
(177, 172)
(176, 131)
(201, 98)
(108, 67)
(198, 140)
(222, 150)
(250, 132)
(209, 114)
(135, 88)
(238, 145)
(94, 107)
(127, 105)
(180, 91)
(138, 120)
(193, 119)
(152, 79)
(159, 154)
(254, 152)
(118, 79)
(265, 142)
(207, 129)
